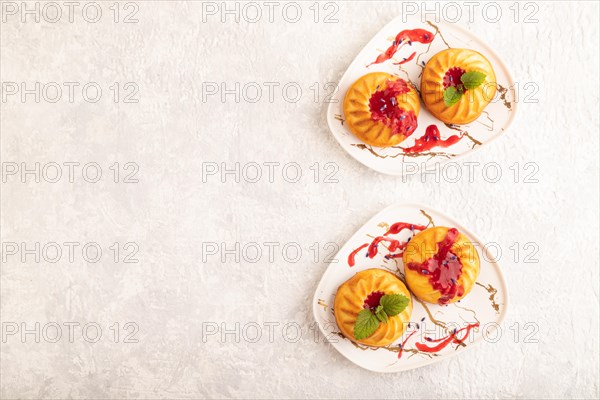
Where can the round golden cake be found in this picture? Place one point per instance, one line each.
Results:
(444, 70)
(441, 265)
(364, 290)
(381, 109)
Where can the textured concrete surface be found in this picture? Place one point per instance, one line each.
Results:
(182, 301)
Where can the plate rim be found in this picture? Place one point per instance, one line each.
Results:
(439, 163)
(418, 206)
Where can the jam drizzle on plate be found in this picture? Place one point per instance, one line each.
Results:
(400, 226)
(406, 36)
(351, 261)
(442, 342)
(432, 139)
(405, 60)
(393, 246)
(403, 344)
(445, 341)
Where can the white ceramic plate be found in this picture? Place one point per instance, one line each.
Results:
(485, 304)
(495, 120)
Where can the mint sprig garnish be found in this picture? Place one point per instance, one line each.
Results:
(393, 304)
(368, 321)
(380, 314)
(366, 324)
(469, 80)
(472, 79)
(451, 96)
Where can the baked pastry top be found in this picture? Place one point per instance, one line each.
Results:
(441, 265)
(451, 68)
(381, 109)
(365, 291)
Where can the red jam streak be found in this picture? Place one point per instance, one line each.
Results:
(373, 300)
(445, 341)
(431, 139)
(400, 226)
(384, 108)
(405, 60)
(394, 245)
(406, 36)
(442, 342)
(351, 261)
(444, 269)
(404, 344)
(452, 78)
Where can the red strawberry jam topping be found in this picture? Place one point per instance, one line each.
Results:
(452, 77)
(384, 108)
(443, 269)
(372, 300)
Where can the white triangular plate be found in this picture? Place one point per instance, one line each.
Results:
(485, 304)
(495, 120)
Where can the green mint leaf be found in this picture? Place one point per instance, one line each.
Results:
(380, 314)
(394, 304)
(451, 96)
(472, 79)
(366, 324)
